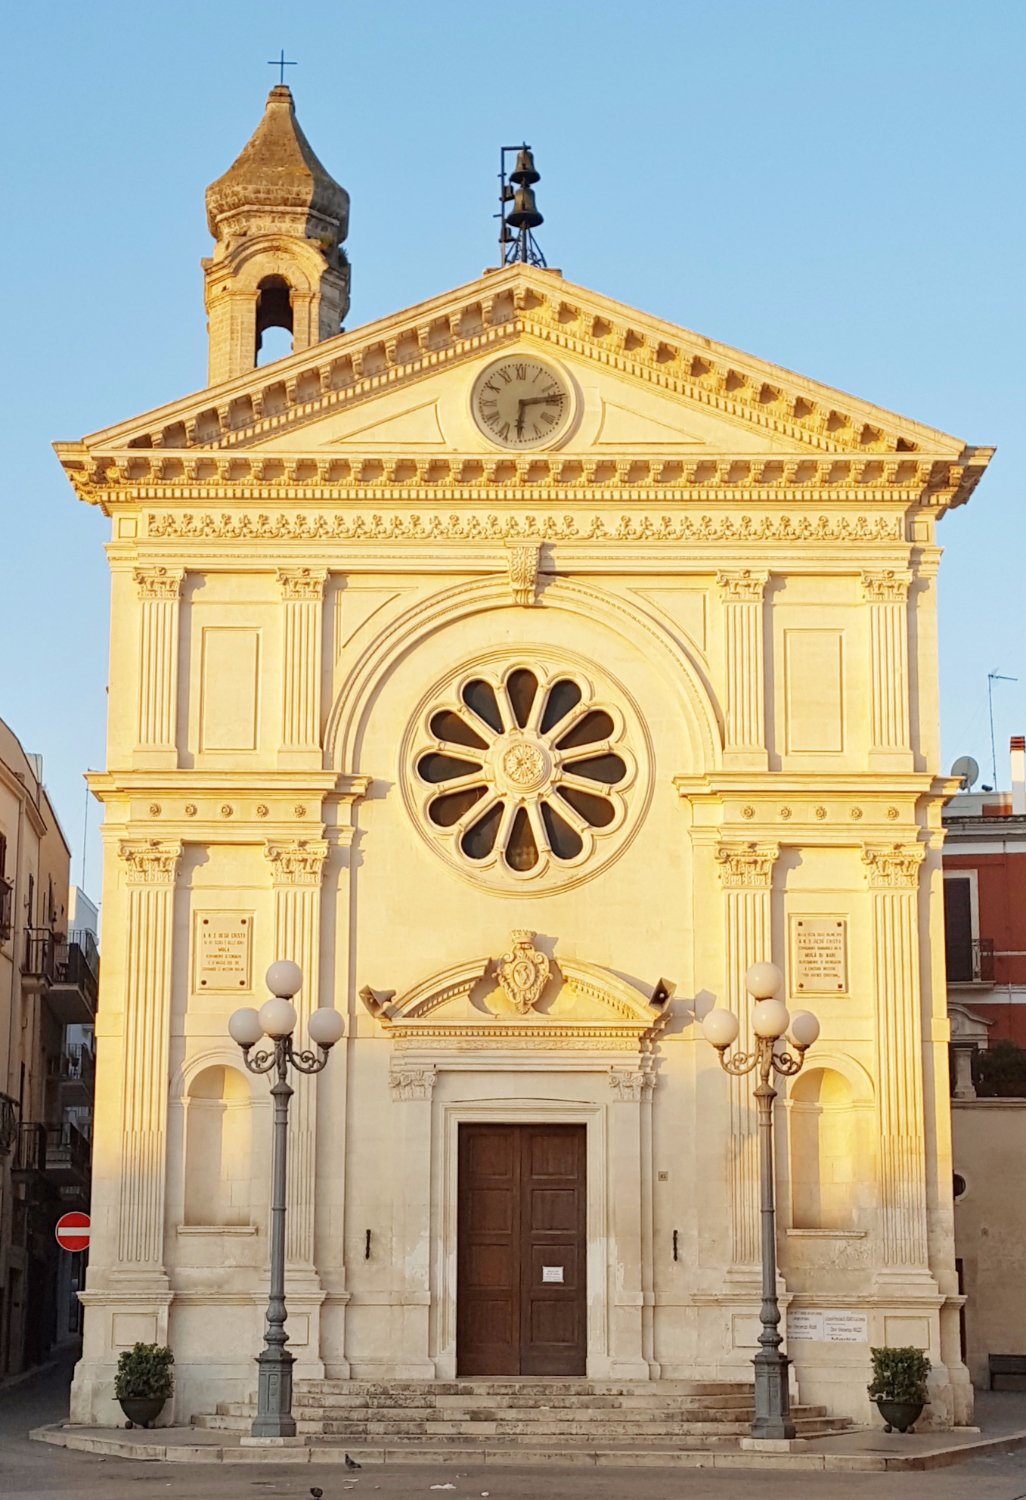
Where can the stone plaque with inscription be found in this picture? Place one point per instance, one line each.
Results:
(820, 956)
(223, 949)
(825, 1326)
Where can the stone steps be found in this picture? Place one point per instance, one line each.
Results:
(582, 1415)
(431, 1391)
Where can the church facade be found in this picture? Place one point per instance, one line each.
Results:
(524, 667)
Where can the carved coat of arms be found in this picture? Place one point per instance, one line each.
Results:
(523, 972)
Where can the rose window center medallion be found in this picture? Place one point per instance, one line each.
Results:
(522, 774)
(525, 766)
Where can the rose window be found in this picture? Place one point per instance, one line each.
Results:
(521, 773)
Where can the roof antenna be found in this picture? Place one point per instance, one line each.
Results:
(993, 677)
(516, 242)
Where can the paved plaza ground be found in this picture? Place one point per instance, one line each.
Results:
(36, 1471)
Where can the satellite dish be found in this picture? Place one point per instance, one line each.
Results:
(967, 771)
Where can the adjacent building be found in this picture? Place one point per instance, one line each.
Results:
(492, 661)
(985, 920)
(48, 991)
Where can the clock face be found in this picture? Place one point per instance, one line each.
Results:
(522, 403)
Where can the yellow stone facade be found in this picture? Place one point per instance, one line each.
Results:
(730, 571)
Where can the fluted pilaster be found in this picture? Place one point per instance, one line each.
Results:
(887, 593)
(150, 869)
(297, 866)
(893, 874)
(745, 709)
(746, 874)
(159, 594)
(302, 610)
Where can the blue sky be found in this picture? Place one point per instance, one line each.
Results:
(833, 186)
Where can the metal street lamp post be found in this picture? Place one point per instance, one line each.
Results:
(770, 1020)
(277, 1018)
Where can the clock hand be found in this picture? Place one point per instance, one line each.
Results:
(539, 400)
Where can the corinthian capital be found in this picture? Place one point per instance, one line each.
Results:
(159, 583)
(889, 586)
(302, 583)
(410, 1081)
(747, 865)
(743, 587)
(297, 861)
(893, 866)
(150, 861)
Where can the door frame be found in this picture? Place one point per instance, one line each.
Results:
(444, 1267)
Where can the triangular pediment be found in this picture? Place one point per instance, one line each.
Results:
(400, 387)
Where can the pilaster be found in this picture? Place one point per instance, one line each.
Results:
(746, 875)
(412, 1086)
(150, 870)
(302, 614)
(297, 867)
(887, 595)
(629, 1306)
(159, 593)
(745, 710)
(893, 875)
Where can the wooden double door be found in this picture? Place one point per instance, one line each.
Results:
(521, 1290)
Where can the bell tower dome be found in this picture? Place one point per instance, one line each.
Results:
(278, 220)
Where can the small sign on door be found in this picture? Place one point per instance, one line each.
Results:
(552, 1273)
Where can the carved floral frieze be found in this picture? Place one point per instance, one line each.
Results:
(463, 526)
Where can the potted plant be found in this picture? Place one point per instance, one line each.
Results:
(144, 1382)
(899, 1386)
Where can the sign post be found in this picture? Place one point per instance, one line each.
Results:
(73, 1231)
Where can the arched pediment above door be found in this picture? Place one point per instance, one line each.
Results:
(522, 997)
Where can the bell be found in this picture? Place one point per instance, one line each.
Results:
(524, 171)
(525, 213)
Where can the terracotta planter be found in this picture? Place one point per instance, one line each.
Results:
(141, 1410)
(900, 1414)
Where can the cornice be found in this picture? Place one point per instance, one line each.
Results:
(111, 477)
(772, 784)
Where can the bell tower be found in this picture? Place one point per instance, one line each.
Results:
(278, 220)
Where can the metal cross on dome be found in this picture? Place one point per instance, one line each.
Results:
(281, 63)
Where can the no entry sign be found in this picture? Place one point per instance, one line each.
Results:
(73, 1231)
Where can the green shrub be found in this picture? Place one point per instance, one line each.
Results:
(144, 1370)
(899, 1374)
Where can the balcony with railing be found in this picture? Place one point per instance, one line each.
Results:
(66, 971)
(57, 1153)
(73, 1071)
(970, 962)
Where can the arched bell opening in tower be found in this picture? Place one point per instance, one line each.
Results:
(273, 310)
